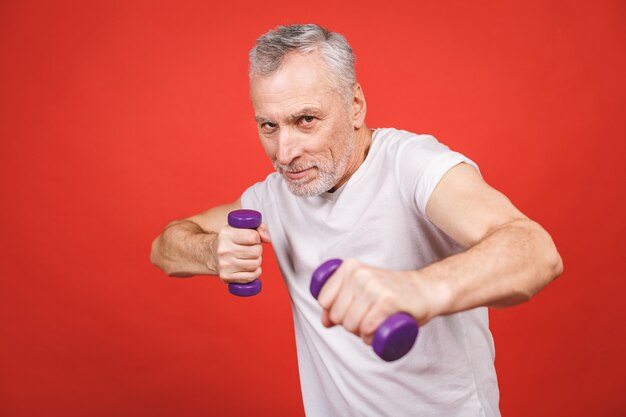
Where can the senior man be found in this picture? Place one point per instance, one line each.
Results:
(420, 230)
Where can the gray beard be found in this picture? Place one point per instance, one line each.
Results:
(328, 174)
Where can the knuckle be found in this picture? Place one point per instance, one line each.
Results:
(371, 288)
(350, 325)
(363, 278)
(366, 329)
(363, 275)
(351, 263)
(386, 296)
(252, 236)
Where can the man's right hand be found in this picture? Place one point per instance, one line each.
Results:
(205, 244)
(238, 253)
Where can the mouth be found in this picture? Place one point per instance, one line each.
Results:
(297, 175)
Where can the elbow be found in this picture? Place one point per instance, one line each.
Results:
(540, 264)
(546, 262)
(552, 265)
(557, 267)
(550, 270)
(155, 257)
(554, 262)
(154, 253)
(546, 272)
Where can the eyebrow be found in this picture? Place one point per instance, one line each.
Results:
(261, 120)
(306, 111)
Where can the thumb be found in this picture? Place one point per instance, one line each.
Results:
(264, 233)
(326, 321)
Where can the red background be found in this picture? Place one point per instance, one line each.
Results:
(117, 117)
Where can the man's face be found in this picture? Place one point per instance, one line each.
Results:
(303, 124)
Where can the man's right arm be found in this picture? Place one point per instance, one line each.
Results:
(188, 247)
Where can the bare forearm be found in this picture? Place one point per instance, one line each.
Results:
(184, 249)
(507, 267)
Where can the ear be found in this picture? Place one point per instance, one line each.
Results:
(359, 107)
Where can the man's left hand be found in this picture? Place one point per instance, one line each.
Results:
(361, 297)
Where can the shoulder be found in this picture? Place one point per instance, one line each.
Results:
(260, 192)
(273, 181)
(419, 161)
(393, 136)
(404, 146)
(399, 140)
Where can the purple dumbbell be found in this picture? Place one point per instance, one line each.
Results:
(394, 338)
(245, 219)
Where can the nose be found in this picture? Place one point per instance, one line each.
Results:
(288, 147)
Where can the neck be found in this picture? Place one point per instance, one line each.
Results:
(362, 142)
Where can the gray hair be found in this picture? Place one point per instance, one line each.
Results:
(270, 50)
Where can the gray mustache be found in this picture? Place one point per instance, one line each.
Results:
(293, 167)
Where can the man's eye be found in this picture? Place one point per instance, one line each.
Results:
(268, 125)
(307, 119)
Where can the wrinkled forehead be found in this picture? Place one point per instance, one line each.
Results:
(301, 78)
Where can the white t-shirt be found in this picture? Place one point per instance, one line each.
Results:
(378, 217)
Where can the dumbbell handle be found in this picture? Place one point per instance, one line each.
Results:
(394, 338)
(245, 219)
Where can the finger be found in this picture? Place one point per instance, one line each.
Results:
(340, 307)
(264, 233)
(326, 319)
(245, 237)
(357, 289)
(241, 277)
(372, 320)
(356, 313)
(331, 288)
(245, 265)
(345, 297)
(248, 252)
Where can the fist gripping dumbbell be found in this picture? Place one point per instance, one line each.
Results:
(245, 219)
(394, 338)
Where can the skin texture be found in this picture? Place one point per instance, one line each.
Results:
(304, 125)
(317, 141)
(509, 258)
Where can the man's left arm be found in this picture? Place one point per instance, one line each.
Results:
(509, 258)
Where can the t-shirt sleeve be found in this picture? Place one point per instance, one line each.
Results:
(259, 194)
(422, 162)
(252, 197)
